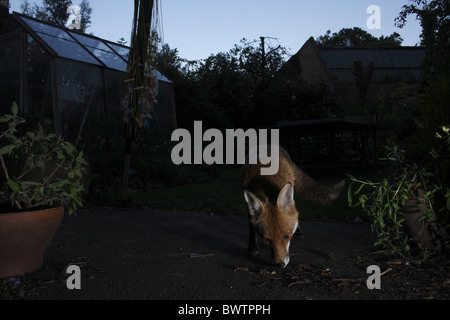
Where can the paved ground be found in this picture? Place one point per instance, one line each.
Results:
(148, 254)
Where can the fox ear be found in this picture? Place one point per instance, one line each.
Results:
(254, 204)
(286, 197)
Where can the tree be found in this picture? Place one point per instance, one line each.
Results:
(219, 89)
(359, 38)
(55, 11)
(224, 89)
(434, 17)
(259, 61)
(86, 12)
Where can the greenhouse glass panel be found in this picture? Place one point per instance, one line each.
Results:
(114, 94)
(91, 42)
(68, 49)
(123, 51)
(9, 75)
(46, 29)
(111, 60)
(61, 42)
(80, 101)
(102, 52)
(39, 87)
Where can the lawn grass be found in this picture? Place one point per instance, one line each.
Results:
(223, 196)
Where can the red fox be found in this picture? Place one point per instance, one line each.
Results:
(272, 213)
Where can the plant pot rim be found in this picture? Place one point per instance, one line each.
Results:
(33, 210)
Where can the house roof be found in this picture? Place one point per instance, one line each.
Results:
(390, 64)
(62, 42)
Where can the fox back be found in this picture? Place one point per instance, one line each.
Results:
(271, 207)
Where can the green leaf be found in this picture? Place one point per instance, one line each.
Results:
(5, 118)
(41, 131)
(13, 185)
(40, 164)
(7, 149)
(62, 183)
(31, 183)
(15, 108)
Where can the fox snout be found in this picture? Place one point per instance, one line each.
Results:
(282, 261)
(280, 249)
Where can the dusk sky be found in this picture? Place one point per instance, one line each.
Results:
(199, 28)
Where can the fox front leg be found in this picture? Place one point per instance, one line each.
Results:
(252, 250)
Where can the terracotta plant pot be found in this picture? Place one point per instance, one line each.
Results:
(24, 237)
(424, 233)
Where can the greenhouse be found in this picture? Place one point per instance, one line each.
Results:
(72, 83)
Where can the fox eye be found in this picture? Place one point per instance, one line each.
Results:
(286, 237)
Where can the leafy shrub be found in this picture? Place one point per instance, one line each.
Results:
(41, 170)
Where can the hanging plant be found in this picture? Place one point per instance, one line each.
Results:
(142, 85)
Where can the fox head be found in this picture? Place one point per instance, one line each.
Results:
(275, 223)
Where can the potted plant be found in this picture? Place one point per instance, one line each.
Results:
(404, 208)
(42, 177)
